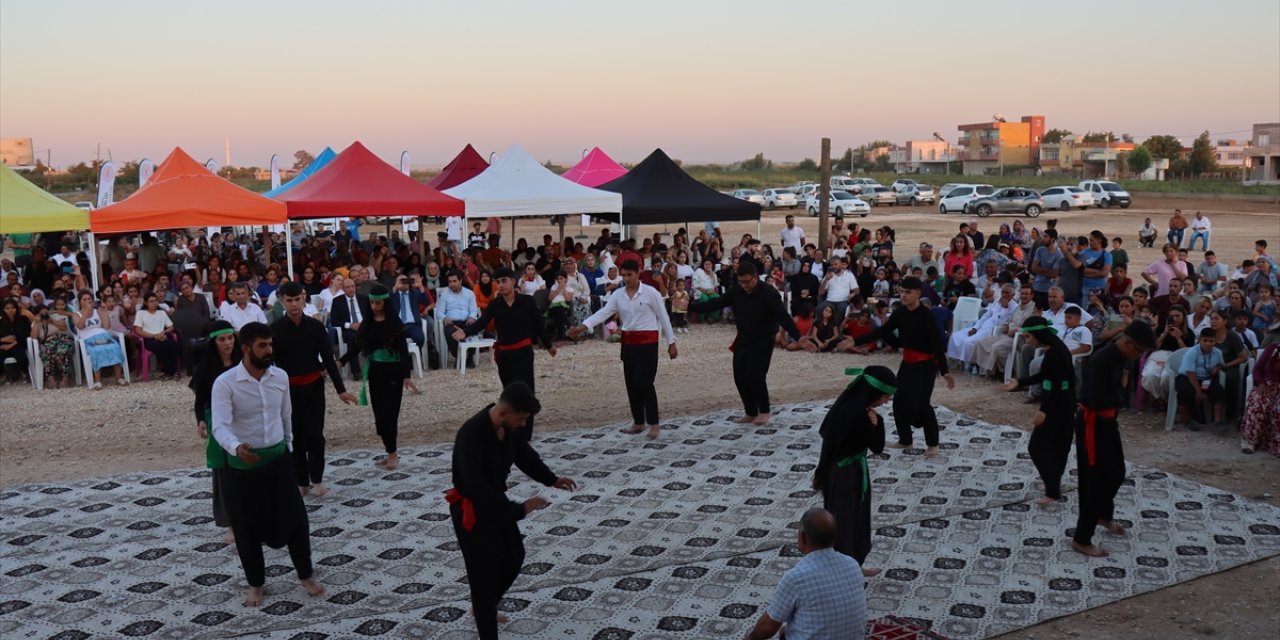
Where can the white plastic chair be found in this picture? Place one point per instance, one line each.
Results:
(208, 296)
(35, 366)
(1012, 361)
(465, 348)
(966, 313)
(87, 366)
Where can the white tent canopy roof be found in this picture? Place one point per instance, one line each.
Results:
(517, 185)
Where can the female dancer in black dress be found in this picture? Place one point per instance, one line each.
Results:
(1050, 442)
(221, 353)
(381, 340)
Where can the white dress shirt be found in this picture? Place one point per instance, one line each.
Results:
(240, 317)
(1059, 317)
(841, 286)
(642, 312)
(249, 411)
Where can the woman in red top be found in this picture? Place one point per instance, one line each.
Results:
(960, 254)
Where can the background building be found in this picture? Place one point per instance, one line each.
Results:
(1000, 144)
(924, 156)
(1081, 159)
(1264, 152)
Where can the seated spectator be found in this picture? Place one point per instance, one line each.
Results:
(560, 305)
(1075, 335)
(609, 283)
(1198, 380)
(823, 595)
(859, 326)
(15, 327)
(958, 286)
(456, 305)
(1264, 311)
(187, 297)
(998, 313)
(483, 289)
(1173, 336)
(1259, 428)
(154, 326)
(825, 334)
(1119, 284)
(330, 292)
(1147, 234)
(104, 350)
(804, 323)
(52, 330)
(531, 282)
(1240, 325)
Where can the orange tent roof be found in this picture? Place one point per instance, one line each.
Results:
(183, 193)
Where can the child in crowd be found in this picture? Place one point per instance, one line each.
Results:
(880, 289)
(804, 323)
(860, 326)
(680, 307)
(1240, 324)
(1198, 380)
(1264, 312)
(1119, 257)
(881, 313)
(1119, 284)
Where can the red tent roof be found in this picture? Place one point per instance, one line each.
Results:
(595, 169)
(358, 183)
(183, 193)
(465, 166)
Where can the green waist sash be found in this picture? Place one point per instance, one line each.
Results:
(266, 456)
(215, 457)
(378, 355)
(859, 459)
(1048, 385)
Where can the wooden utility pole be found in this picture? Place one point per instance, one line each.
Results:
(824, 193)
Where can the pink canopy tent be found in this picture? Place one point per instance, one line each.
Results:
(595, 169)
(465, 166)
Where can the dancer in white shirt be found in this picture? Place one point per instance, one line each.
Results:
(251, 412)
(642, 314)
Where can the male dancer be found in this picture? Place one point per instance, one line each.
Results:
(517, 322)
(485, 520)
(757, 312)
(642, 313)
(251, 411)
(1099, 456)
(302, 347)
(924, 358)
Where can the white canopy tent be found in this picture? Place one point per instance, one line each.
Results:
(516, 185)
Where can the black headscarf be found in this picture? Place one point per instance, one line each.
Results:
(846, 414)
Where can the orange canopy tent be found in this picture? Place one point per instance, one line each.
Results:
(183, 193)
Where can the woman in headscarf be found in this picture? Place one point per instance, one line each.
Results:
(222, 353)
(1050, 441)
(851, 430)
(381, 339)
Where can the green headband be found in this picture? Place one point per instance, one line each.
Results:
(1044, 327)
(871, 380)
(374, 296)
(221, 332)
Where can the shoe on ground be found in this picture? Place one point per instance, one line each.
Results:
(1245, 447)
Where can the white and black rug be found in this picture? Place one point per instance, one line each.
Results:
(681, 538)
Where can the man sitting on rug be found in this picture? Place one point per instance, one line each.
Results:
(822, 596)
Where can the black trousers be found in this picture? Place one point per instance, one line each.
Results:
(517, 365)
(266, 508)
(1050, 445)
(750, 373)
(352, 356)
(1100, 477)
(166, 351)
(911, 405)
(1187, 392)
(493, 552)
(639, 370)
(386, 391)
(843, 495)
(308, 432)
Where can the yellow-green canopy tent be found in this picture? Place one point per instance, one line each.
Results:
(26, 208)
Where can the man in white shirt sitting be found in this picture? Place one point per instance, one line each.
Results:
(237, 309)
(1200, 228)
(960, 345)
(838, 286)
(251, 412)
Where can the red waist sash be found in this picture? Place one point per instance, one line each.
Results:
(1090, 423)
(911, 356)
(639, 337)
(304, 379)
(468, 508)
(527, 342)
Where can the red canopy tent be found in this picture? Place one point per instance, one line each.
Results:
(358, 183)
(465, 166)
(595, 169)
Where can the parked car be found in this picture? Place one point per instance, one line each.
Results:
(803, 191)
(1066, 198)
(876, 195)
(803, 183)
(87, 206)
(962, 194)
(1107, 193)
(1008, 200)
(750, 195)
(901, 184)
(845, 183)
(915, 194)
(841, 203)
(859, 184)
(946, 188)
(774, 198)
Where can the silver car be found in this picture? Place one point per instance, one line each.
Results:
(876, 195)
(915, 194)
(1010, 200)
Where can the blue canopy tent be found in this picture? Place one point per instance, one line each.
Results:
(319, 163)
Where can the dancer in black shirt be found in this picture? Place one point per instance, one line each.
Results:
(383, 343)
(1050, 442)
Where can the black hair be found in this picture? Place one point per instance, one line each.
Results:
(747, 268)
(290, 289)
(253, 332)
(520, 398)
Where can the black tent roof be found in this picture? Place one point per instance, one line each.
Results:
(658, 191)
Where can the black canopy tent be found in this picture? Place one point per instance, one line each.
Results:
(658, 191)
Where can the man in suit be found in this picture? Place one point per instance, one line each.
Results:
(349, 310)
(407, 301)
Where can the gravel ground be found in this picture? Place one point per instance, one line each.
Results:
(75, 433)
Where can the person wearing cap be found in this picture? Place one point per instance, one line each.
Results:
(302, 350)
(517, 323)
(758, 312)
(913, 328)
(850, 431)
(486, 521)
(1099, 454)
(642, 314)
(1050, 442)
(382, 341)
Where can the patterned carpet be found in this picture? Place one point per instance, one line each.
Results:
(681, 538)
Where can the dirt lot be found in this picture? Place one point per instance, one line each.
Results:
(60, 435)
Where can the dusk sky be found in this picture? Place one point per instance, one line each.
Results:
(705, 80)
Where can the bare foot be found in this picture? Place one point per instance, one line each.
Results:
(319, 490)
(1044, 501)
(253, 597)
(633, 429)
(931, 452)
(868, 572)
(313, 586)
(304, 490)
(653, 432)
(899, 445)
(1090, 550)
(501, 618)
(746, 420)
(381, 462)
(1112, 527)
(762, 418)
(393, 461)
(230, 538)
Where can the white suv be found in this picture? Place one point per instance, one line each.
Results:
(963, 194)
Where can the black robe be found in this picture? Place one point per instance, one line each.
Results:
(1050, 442)
(846, 492)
